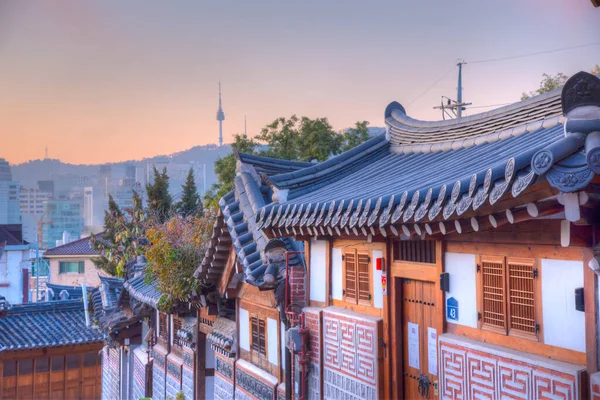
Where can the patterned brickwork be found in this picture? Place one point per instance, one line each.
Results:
(224, 372)
(298, 286)
(595, 386)
(139, 377)
(281, 392)
(474, 370)
(173, 387)
(253, 383)
(223, 388)
(313, 323)
(350, 354)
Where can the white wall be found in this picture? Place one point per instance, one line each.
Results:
(273, 348)
(11, 273)
(209, 355)
(336, 274)
(563, 325)
(318, 255)
(244, 333)
(209, 381)
(463, 276)
(377, 295)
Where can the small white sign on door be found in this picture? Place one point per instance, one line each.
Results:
(413, 345)
(432, 350)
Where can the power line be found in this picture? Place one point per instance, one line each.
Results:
(491, 105)
(534, 54)
(432, 85)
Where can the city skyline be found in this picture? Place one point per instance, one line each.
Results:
(101, 82)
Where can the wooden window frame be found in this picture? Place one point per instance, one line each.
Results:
(163, 331)
(357, 300)
(255, 351)
(507, 330)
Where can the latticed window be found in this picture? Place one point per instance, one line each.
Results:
(163, 326)
(176, 327)
(422, 251)
(357, 276)
(508, 296)
(259, 342)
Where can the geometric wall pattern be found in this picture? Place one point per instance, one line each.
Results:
(224, 373)
(473, 370)
(313, 324)
(350, 354)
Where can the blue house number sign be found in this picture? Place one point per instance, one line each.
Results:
(452, 309)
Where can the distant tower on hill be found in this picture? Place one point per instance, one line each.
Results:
(220, 118)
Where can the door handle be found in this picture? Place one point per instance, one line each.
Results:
(424, 384)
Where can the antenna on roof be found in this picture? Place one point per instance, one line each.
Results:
(46, 154)
(454, 108)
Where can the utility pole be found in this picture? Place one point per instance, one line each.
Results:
(451, 108)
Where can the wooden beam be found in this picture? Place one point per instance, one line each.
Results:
(590, 293)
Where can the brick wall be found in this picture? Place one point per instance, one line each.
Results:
(159, 375)
(472, 370)
(90, 275)
(298, 286)
(350, 355)
(595, 386)
(313, 323)
(224, 373)
(187, 382)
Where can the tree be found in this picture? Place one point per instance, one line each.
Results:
(190, 203)
(174, 251)
(547, 84)
(355, 136)
(297, 139)
(225, 171)
(596, 70)
(300, 139)
(123, 237)
(159, 199)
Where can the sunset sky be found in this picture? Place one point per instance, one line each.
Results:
(101, 81)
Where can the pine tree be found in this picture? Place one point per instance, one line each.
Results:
(113, 218)
(159, 199)
(190, 203)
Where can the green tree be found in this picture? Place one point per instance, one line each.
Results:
(225, 171)
(547, 84)
(300, 139)
(190, 203)
(355, 136)
(123, 237)
(159, 199)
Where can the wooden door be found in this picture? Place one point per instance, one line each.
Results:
(419, 340)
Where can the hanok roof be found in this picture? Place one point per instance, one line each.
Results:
(144, 292)
(426, 171)
(81, 247)
(74, 292)
(222, 336)
(45, 324)
(236, 222)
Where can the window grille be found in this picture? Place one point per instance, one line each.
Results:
(258, 336)
(163, 327)
(492, 270)
(350, 276)
(422, 251)
(176, 327)
(521, 289)
(364, 277)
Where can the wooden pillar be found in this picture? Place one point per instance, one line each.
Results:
(590, 290)
(200, 368)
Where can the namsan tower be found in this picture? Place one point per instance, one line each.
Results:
(220, 118)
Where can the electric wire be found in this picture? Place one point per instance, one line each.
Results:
(432, 85)
(533, 54)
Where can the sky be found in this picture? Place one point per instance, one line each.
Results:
(104, 80)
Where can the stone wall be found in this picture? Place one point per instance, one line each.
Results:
(187, 382)
(110, 373)
(313, 324)
(224, 373)
(174, 375)
(473, 370)
(252, 383)
(138, 387)
(351, 355)
(159, 375)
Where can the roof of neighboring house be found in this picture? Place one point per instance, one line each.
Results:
(426, 171)
(141, 291)
(81, 247)
(222, 336)
(74, 292)
(270, 166)
(45, 324)
(236, 224)
(12, 234)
